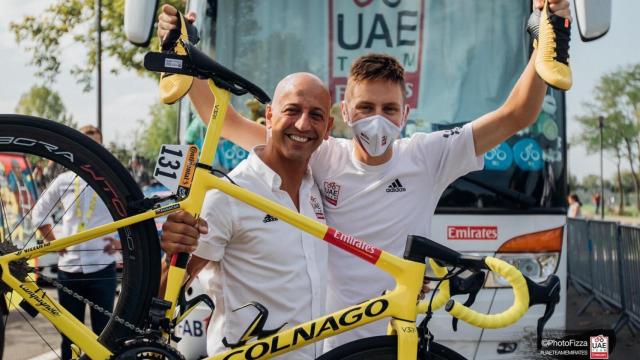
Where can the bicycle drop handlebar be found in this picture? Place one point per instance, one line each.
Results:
(527, 293)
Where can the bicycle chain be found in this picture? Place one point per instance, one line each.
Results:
(90, 303)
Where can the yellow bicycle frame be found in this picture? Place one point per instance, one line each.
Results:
(400, 304)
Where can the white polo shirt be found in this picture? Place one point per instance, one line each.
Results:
(382, 205)
(262, 259)
(86, 257)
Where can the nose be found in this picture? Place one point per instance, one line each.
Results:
(304, 122)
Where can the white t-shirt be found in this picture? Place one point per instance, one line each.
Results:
(262, 259)
(89, 256)
(382, 205)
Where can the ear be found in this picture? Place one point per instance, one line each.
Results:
(329, 128)
(268, 114)
(407, 109)
(344, 111)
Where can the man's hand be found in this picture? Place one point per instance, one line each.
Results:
(557, 7)
(180, 233)
(168, 20)
(112, 246)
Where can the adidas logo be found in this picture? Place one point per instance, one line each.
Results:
(396, 186)
(269, 218)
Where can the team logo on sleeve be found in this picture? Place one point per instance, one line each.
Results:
(331, 192)
(317, 207)
(448, 133)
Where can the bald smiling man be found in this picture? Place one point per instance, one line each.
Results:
(253, 255)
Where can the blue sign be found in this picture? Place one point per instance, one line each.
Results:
(498, 158)
(528, 155)
(229, 155)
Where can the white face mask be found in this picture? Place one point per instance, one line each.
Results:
(375, 133)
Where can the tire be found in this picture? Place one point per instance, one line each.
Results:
(384, 348)
(113, 184)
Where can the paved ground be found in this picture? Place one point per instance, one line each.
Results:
(627, 348)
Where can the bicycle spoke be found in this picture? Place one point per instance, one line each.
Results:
(26, 319)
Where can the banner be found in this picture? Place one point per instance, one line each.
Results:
(392, 27)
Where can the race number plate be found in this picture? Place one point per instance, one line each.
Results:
(175, 167)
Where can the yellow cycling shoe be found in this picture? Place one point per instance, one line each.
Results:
(552, 60)
(175, 86)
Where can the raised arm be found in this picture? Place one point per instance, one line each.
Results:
(523, 104)
(242, 131)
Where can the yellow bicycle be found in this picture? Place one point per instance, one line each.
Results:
(141, 326)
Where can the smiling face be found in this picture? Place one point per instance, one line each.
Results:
(299, 116)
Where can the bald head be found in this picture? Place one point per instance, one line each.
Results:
(302, 84)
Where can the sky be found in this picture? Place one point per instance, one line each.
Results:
(127, 97)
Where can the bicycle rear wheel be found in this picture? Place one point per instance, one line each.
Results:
(384, 348)
(25, 139)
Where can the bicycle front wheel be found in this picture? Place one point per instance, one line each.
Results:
(28, 144)
(385, 348)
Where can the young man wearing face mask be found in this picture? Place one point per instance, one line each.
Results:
(380, 188)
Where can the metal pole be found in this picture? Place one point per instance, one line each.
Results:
(602, 197)
(99, 62)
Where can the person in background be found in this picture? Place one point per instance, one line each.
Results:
(574, 206)
(89, 268)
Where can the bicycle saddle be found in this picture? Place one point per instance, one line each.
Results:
(180, 56)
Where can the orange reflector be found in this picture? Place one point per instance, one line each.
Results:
(566, 23)
(543, 241)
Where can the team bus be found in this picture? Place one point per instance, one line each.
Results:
(462, 58)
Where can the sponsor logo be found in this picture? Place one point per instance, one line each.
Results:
(5, 140)
(451, 132)
(317, 207)
(173, 63)
(331, 192)
(307, 332)
(353, 241)
(37, 247)
(269, 218)
(117, 204)
(599, 347)
(396, 186)
(167, 208)
(190, 167)
(41, 301)
(472, 233)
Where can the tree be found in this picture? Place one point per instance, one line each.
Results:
(46, 103)
(161, 130)
(617, 99)
(75, 20)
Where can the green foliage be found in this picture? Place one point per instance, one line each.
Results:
(46, 103)
(74, 21)
(120, 152)
(161, 130)
(617, 99)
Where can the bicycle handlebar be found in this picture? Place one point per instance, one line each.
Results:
(527, 293)
(505, 318)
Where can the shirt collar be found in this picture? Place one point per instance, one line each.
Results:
(270, 177)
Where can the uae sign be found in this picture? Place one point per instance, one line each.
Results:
(392, 27)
